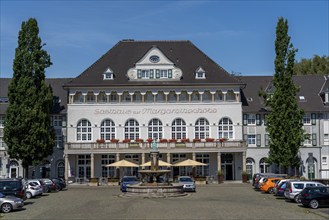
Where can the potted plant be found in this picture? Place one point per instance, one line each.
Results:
(126, 141)
(185, 140)
(222, 140)
(114, 140)
(220, 176)
(163, 140)
(196, 140)
(245, 176)
(210, 139)
(100, 141)
(172, 140)
(149, 140)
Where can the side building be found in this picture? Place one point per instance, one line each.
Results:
(53, 166)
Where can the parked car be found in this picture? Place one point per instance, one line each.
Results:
(32, 190)
(14, 187)
(280, 189)
(269, 185)
(293, 188)
(9, 203)
(127, 180)
(39, 183)
(51, 186)
(258, 176)
(187, 182)
(315, 197)
(59, 182)
(260, 182)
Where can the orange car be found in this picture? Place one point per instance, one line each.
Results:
(268, 185)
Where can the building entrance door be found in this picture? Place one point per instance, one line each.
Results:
(227, 166)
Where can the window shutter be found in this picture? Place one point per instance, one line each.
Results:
(245, 119)
(169, 74)
(266, 140)
(258, 140)
(314, 139)
(265, 118)
(151, 74)
(313, 118)
(157, 74)
(139, 74)
(258, 119)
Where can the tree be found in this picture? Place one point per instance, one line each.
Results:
(316, 65)
(284, 121)
(28, 132)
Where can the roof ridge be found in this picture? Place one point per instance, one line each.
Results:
(143, 41)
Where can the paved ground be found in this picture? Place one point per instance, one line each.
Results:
(224, 201)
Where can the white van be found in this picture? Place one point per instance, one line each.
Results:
(293, 188)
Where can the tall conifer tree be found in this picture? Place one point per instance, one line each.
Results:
(28, 132)
(284, 121)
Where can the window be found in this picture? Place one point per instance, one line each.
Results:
(78, 97)
(230, 95)
(251, 139)
(264, 167)
(178, 129)
(225, 128)
(2, 121)
(326, 139)
(114, 97)
(218, 96)
(207, 97)
(202, 170)
(251, 119)
(307, 139)
(84, 130)
(60, 169)
(59, 141)
(108, 74)
(132, 129)
(163, 73)
(107, 129)
(57, 120)
(201, 128)
(145, 74)
(160, 97)
(307, 119)
(195, 97)
(324, 160)
(183, 97)
(126, 97)
(200, 73)
(155, 129)
(172, 97)
(149, 97)
(108, 171)
(137, 97)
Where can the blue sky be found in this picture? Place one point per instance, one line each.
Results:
(238, 35)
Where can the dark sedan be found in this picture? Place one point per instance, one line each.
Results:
(127, 180)
(315, 197)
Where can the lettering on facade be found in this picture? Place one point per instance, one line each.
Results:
(151, 111)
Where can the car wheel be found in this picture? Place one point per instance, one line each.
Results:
(298, 199)
(28, 195)
(57, 188)
(6, 207)
(271, 190)
(314, 204)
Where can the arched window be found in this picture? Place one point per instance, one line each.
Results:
(178, 129)
(60, 169)
(250, 167)
(107, 129)
(84, 130)
(225, 128)
(126, 97)
(230, 96)
(155, 129)
(102, 97)
(195, 97)
(264, 166)
(137, 97)
(218, 96)
(78, 97)
(183, 97)
(206, 96)
(131, 129)
(201, 128)
(172, 97)
(149, 97)
(90, 97)
(160, 97)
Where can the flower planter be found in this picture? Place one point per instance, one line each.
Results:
(93, 182)
(100, 141)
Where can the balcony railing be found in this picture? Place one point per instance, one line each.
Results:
(145, 145)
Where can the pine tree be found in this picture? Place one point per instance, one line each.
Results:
(284, 121)
(28, 132)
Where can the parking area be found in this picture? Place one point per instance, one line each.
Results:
(213, 201)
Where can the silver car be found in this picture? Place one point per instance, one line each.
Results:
(187, 182)
(9, 203)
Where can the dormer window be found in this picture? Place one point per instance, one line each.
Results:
(200, 73)
(108, 74)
